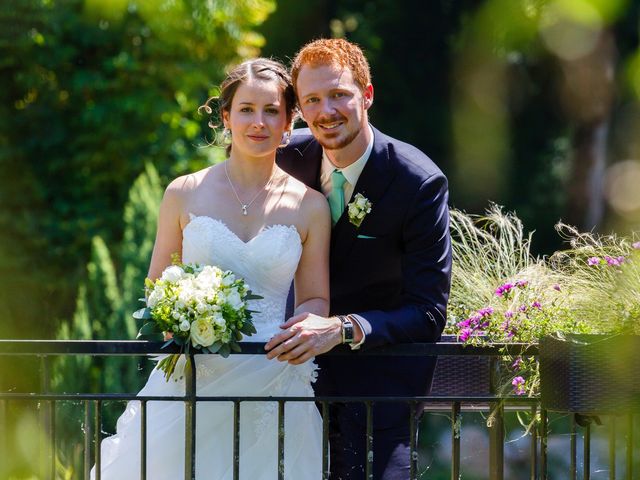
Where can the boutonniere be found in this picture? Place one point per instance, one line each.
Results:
(358, 209)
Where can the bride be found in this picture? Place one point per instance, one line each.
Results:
(248, 216)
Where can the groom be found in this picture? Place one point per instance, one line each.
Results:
(390, 258)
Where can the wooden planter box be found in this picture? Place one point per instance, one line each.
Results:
(590, 374)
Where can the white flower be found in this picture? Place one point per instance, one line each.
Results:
(172, 274)
(228, 278)
(234, 299)
(202, 333)
(156, 295)
(218, 319)
(358, 208)
(185, 325)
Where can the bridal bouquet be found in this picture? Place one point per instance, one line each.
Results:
(201, 306)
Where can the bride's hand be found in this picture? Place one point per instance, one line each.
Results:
(303, 337)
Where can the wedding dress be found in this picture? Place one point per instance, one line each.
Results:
(267, 262)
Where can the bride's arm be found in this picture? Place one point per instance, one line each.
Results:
(312, 275)
(169, 234)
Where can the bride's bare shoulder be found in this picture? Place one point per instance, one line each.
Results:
(312, 203)
(183, 187)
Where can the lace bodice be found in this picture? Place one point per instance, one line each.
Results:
(267, 262)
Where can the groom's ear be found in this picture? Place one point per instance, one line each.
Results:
(367, 95)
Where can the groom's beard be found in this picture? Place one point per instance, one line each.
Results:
(334, 143)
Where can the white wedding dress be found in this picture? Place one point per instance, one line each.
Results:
(267, 262)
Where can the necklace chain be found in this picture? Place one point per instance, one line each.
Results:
(244, 206)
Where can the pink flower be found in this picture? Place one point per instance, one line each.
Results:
(523, 308)
(508, 314)
(593, 261)
(636, 245)
(465, 334)
(464, 323)
(537, 305)
(556, 287)
(516, 363)
(485, 312)
(518, 385)
(522, 283)
(614, 262)
(504, 289)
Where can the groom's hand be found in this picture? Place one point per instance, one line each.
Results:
(303, 337)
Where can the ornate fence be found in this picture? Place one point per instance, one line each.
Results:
(464, 382)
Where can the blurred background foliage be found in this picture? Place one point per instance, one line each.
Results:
(532, 104)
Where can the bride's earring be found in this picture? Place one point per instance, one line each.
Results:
(286, 138)
(226, 136)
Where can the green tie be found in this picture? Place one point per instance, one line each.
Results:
(336, 196)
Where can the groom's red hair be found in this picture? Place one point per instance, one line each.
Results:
(333, 51)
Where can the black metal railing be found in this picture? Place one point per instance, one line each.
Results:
(452, 403)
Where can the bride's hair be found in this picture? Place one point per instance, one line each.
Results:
(264, 69)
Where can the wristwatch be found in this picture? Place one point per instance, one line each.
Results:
(347, 329)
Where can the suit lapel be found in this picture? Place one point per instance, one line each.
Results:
(307, 167)
(372, 183)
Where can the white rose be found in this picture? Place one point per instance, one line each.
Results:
(172, 274)
(361, 202)
(234, 299)
(209, 278)
(202, 333)
(154, 297)
(185, 325)
(228, 279)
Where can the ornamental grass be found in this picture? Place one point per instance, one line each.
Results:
(501, 293)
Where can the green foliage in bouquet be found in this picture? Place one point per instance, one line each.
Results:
(201, 307)
(502, 293)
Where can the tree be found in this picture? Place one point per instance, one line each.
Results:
(90, 91)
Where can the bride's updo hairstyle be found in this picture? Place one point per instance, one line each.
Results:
(262, 69)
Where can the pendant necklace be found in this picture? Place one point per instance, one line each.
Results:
(244, 206)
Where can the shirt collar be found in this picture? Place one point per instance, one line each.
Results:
(351, 172)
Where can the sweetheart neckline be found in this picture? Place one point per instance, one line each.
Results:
(265, 229)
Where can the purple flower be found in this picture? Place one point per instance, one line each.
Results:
(504, 289)
(523, 308)
(522, 283)
(636, 245)
(516, 363)
(464, 323)
(518, 385)
(485, 312)
(465, 334)
(508, 314)
(505, 325)
(614, 262)
(556, 287)
(593, 261)
(537, 305)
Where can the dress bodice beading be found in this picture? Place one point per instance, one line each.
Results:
(267, 262)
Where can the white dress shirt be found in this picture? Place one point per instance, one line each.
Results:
(351, 174)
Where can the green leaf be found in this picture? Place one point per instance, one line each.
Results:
(238, 335)
(142, 314)
(248, 329)
(235, 347)
(253, 296)
(148, 328)
(225, 350)
(215, 346)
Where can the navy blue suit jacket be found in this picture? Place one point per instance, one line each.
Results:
(394, 270)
